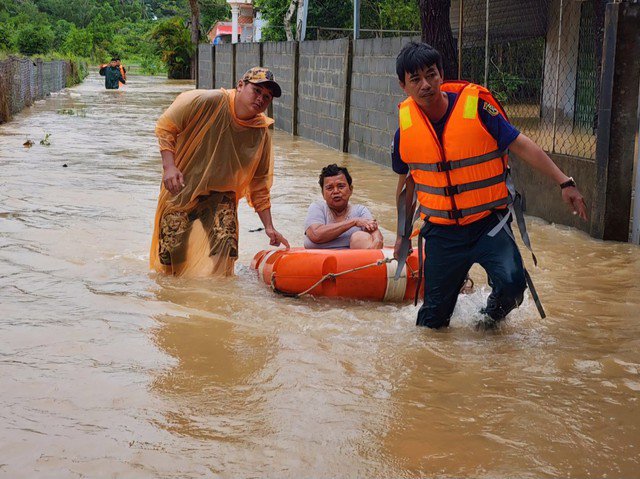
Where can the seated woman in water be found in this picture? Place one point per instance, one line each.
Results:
(332, 223)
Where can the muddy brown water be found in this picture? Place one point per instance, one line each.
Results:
(108, 370)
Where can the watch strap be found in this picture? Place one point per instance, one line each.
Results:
(568, 183)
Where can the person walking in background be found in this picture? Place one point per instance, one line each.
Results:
(216, 149)
(112, 75)
(451, 151)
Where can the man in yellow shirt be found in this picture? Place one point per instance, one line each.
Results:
(216, 149)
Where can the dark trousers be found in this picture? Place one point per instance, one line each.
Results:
(450, 251)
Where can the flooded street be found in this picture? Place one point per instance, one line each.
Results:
(109, 370)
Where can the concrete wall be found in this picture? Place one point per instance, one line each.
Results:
(279, 57)
(247, 56)
(224, 66)
(543, 198)
(375, 94)
(205, 66)
(322, 91)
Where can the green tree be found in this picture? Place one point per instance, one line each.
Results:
(273, 11)
(34, 39)
(6, 37)
(166, 8)
(390, 15)
(322, 13)
(102, 33)
(100, 28)
(212, 11)
(338, 14)
(61, 30)
(78, 12)
(79, 42)
(174, 46)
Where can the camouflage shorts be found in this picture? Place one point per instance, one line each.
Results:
(219, 217)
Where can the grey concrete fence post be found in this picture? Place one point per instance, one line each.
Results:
(617, 122)
(348, 70)
(213, 66)
(234, 80)
(294, 88)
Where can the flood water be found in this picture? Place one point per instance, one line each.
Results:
(109, 370)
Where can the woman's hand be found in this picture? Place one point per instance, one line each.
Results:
(366, 224)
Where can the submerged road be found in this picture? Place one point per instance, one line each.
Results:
(109, 370)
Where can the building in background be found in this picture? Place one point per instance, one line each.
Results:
(247, 21)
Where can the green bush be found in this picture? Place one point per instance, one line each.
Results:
(78, 42)
(33, 40)
(61, 30)
(151, 65)
(504, 86)
(6, 42)
(174, 46)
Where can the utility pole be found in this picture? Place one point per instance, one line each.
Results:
(356, 19)
(301, 21)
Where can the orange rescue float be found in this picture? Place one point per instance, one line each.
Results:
(360, 274)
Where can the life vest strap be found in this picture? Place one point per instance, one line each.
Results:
(525, 238)
(457, 189)
(455, 164)
(405, 225)
(457, 214)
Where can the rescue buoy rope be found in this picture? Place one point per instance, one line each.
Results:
(332, 275)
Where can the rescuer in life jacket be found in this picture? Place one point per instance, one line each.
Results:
(451, 154)
(112, 75)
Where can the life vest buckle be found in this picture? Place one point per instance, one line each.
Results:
(443, 166)
(451, 190)
(455, 214)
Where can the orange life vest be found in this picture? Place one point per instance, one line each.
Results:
(123, 73)
(461, 179)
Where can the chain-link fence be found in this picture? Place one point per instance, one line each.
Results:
(541, 60)
(23, 81)
(314, 32)
(325, 33)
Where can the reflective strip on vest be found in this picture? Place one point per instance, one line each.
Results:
(455, 164)
(457, 189)
(457, 214)
(405, 118)
(471, 106)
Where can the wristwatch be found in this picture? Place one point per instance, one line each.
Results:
(568, 183)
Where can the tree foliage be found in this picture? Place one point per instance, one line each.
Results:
(174, 45)
(32, 40)
(338, 14)
(100, 29)
(78, 42)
